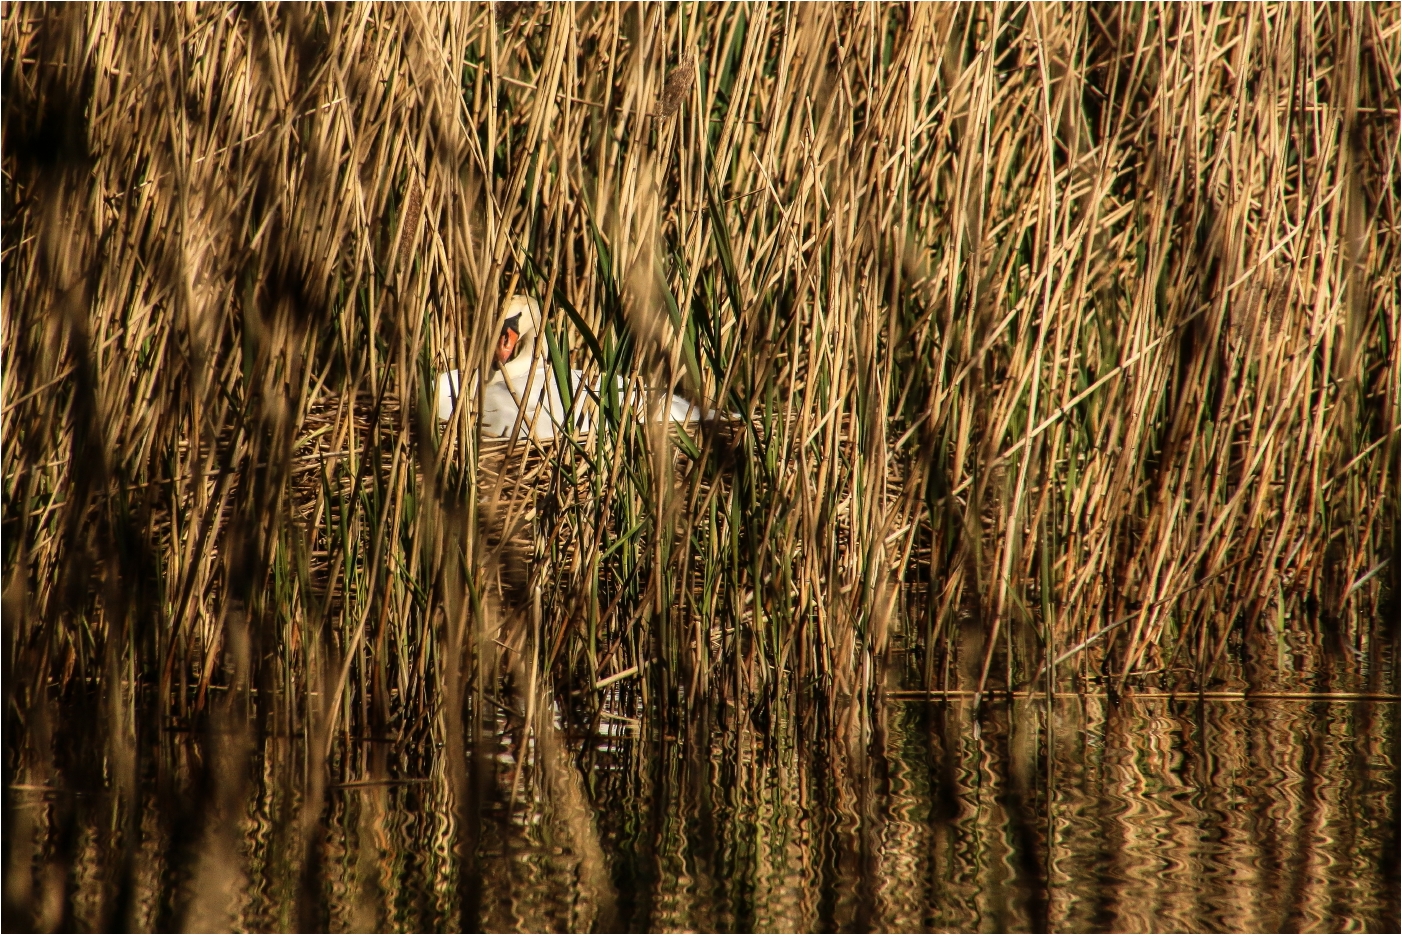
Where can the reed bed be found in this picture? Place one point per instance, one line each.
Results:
(1062, 341)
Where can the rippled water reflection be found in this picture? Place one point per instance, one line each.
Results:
(1155, 815)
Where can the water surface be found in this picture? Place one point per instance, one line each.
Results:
(1153, 815)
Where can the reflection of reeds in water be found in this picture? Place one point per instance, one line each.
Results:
(1056, 331)
(1232, 817)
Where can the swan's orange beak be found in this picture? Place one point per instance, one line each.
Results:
(507, 345)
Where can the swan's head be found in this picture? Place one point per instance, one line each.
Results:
(520, 320)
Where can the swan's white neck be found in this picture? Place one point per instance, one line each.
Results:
(520, 365)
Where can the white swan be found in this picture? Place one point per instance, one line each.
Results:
(525, 382)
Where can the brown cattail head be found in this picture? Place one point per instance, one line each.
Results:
(678, 83)
(409, 226)
(1264, 300)
(506, 12)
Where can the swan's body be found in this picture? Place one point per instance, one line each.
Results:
(511, 389)
(525, 383)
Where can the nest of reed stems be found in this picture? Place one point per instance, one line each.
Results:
(1062, 333)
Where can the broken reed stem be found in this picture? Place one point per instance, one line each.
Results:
(937, 694)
